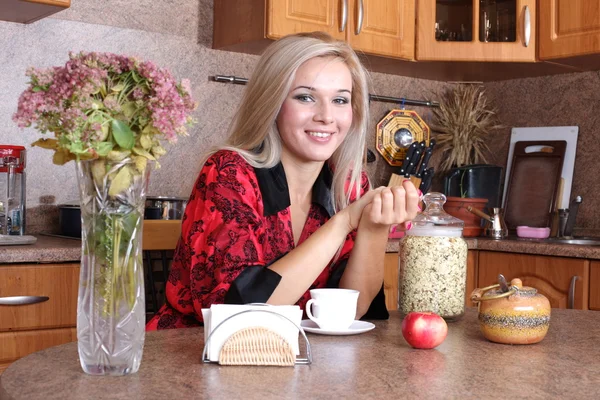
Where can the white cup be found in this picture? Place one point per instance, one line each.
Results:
(332, 309)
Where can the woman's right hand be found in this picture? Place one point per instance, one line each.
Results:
(353, 212)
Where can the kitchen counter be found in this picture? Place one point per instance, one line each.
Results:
(524, 246)
(47, 249)
(373, 365)
(50, 249)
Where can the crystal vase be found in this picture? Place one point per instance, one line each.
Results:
(111, 303)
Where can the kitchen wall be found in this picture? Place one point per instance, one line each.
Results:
(175, 34)
(560, 100)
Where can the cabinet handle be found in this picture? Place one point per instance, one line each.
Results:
(571, 298)
(526, 26)
(22, 300)
(344, 21)
(359, 17)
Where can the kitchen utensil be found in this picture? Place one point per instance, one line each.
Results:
(396, 179)
(520, 315)
(532, 233)
(411, 170)
(533, 182)
(164, 207)
(395, 133)
(426, 180)
(12, 190)
(566, 133)
(477, 181)
(495, 227)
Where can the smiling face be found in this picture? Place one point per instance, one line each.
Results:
(317, 113)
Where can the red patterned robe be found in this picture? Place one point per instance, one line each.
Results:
(238, 222)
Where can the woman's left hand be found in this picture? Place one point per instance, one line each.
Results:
(392, 206)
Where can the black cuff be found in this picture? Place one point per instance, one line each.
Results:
(377, 309)
(254, 285)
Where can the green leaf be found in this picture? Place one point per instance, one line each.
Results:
(117, 88)
(128, 109)
(144, 153)
(123, 134)
(37, 89)
(103, 148)
(121, 182)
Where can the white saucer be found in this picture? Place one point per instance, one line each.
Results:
(354, 329)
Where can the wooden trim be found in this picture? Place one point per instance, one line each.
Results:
(161, 234)
(595, 285)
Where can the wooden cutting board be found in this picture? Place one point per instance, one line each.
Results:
(533, 183)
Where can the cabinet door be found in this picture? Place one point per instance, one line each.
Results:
(14, 345)
(595, 285)
(383, 27)
(58, 282)
(293, 16)
(472, 260)
(557, 278)
(568, 28)
(390, 280)
(476, 30)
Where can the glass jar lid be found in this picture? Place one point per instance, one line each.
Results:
(434, 221)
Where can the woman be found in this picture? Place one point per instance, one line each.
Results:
(285, 206)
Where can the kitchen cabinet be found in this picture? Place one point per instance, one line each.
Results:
(568, 28)
(390, 278)
(384, 27)
(476, 30)
(564, 281)
(25, 329)
(28, 11)
(595, 285)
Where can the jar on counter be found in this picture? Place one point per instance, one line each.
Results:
(432, 259)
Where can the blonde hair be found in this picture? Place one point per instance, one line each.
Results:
(253, 133)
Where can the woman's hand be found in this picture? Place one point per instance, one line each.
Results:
(391, 206)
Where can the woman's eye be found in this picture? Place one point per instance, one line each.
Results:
(341, 100)
(304, 97)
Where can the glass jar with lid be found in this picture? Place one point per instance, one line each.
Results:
(432, 272)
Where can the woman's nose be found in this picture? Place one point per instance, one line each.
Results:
(324, 114)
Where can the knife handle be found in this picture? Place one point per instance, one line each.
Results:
(423, 166)
(409, 154)
(414, 160)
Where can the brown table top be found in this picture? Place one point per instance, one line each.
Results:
(377, 364)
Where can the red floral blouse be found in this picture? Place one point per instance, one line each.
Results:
(236, 223)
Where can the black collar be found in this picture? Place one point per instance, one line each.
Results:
(276, 194)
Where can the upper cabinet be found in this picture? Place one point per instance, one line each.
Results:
(569, 28)
(383, 27)
(476, 30)
(27, 11)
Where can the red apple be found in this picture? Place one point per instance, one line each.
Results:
(424, 330)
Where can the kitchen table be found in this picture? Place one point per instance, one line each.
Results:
(377, 364)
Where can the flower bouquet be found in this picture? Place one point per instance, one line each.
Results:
(110, 114)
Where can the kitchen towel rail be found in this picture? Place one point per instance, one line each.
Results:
(372, 97)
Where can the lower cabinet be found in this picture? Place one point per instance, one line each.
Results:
(390, 278)
(25, 329)
(564, 281)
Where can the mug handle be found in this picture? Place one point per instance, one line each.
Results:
(309, 303)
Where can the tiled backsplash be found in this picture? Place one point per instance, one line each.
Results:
(177, 35)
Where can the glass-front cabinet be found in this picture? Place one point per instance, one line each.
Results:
(476, 30)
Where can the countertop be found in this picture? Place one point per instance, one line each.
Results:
(525, 246)
(49, 249)
(373, 365)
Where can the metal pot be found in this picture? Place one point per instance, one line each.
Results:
(162, 207)
(69, 220)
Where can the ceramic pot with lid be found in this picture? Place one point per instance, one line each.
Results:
(512, 314)
(432, 259)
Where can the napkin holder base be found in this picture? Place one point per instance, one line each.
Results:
(256, 345)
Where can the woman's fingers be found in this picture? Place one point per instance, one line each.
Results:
(412, 199)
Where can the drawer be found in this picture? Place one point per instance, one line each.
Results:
(14, 345)
(595, 285)
(59, 282)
